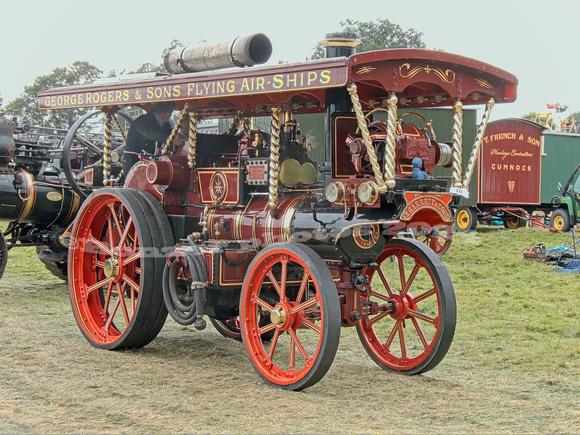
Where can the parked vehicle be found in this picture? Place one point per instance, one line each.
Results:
(247, 229)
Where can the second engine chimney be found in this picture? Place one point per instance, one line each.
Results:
(340, 44)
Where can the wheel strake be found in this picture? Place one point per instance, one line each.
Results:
(415, 336)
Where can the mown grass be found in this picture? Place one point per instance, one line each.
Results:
(513, 367)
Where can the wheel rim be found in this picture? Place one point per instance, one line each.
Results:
(283, 286)
(463, 219)
(512, 224)
(106, 270)
(416, 335)
(558, 222)
(228, 328)
(438, 240)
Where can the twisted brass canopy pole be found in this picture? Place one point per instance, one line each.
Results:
(362, 124)
(274, 158)
(192, 150)
(390, 147)
(478, 139)
(171, 138)
(456, 140)
(107, 149)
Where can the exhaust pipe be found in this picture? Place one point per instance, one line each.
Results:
(244, 51)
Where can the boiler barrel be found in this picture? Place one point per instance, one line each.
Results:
(44, 202)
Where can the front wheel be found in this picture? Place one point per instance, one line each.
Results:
(409, 320)
(290, 285)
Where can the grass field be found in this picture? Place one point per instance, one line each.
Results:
(514, 366)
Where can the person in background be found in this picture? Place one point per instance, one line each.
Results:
(148, 132)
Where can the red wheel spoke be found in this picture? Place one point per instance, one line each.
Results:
(420, 332)
(110, 231)
(392, 335)
(401, 265)
(402, 339)
(378, 317)
(380, 295)
(292, 363)
(106, 249)
(123, 238)
(283, 278)
(98, 285)
(275, 283)
(314, 327)
(108, 298)
(385, 282)
(112, 314)
(412, 277)
(132, 258)
(267, 328)
(294, 338)
(305, 305)
(134, 286)
(273, 344)
(422, 316)
(116, 220)
(425, 295)
(303, 286)
(124, 306)
(265, 305)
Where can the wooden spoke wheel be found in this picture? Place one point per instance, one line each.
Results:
(409, 321)
(438, 238)
(115, 269)
(82, 153)
(290, 284)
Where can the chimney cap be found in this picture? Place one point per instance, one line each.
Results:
(341, 39)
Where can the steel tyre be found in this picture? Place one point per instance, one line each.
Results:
(416, 336)
(291, 284)
(113, 275)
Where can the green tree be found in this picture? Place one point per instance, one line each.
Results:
(377, 35)
(26, 105)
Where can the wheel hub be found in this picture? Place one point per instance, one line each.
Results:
(278, 317)
(112, 268)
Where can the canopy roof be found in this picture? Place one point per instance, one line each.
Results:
(419, 78)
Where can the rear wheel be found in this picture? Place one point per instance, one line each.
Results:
(410, 318)
(560, 220)
(114, 270)
(290, 284)
(465, 219)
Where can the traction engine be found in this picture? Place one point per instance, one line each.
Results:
(245, 228)
(35, 199)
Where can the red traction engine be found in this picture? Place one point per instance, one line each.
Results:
(277, 250)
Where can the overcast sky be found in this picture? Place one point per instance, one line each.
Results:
(535, 40)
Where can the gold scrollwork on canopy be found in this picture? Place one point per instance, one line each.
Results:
(407, 72)
(483, 83)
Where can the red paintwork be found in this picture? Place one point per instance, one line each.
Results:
(510, 163)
